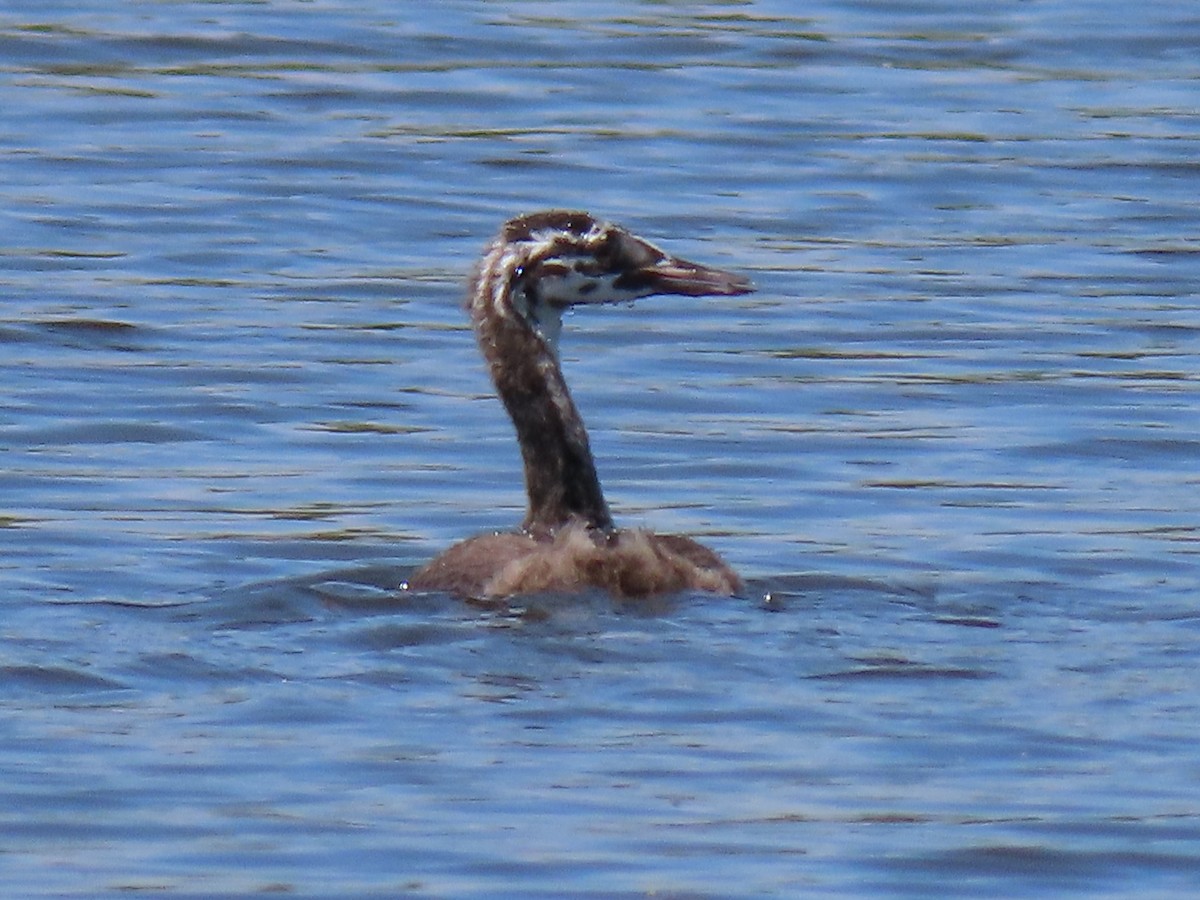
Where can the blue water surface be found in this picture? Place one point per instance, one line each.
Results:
(951, 443)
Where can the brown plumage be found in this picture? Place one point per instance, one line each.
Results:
(537, 267)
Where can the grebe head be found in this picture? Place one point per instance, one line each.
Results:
(543, 263)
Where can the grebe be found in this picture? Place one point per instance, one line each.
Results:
(537, 267)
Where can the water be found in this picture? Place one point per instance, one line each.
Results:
(951, 443)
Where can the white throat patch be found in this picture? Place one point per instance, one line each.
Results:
(546, 319)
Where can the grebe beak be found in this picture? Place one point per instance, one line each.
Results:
(672, 275)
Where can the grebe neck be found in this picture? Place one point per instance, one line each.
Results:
(517, 335)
